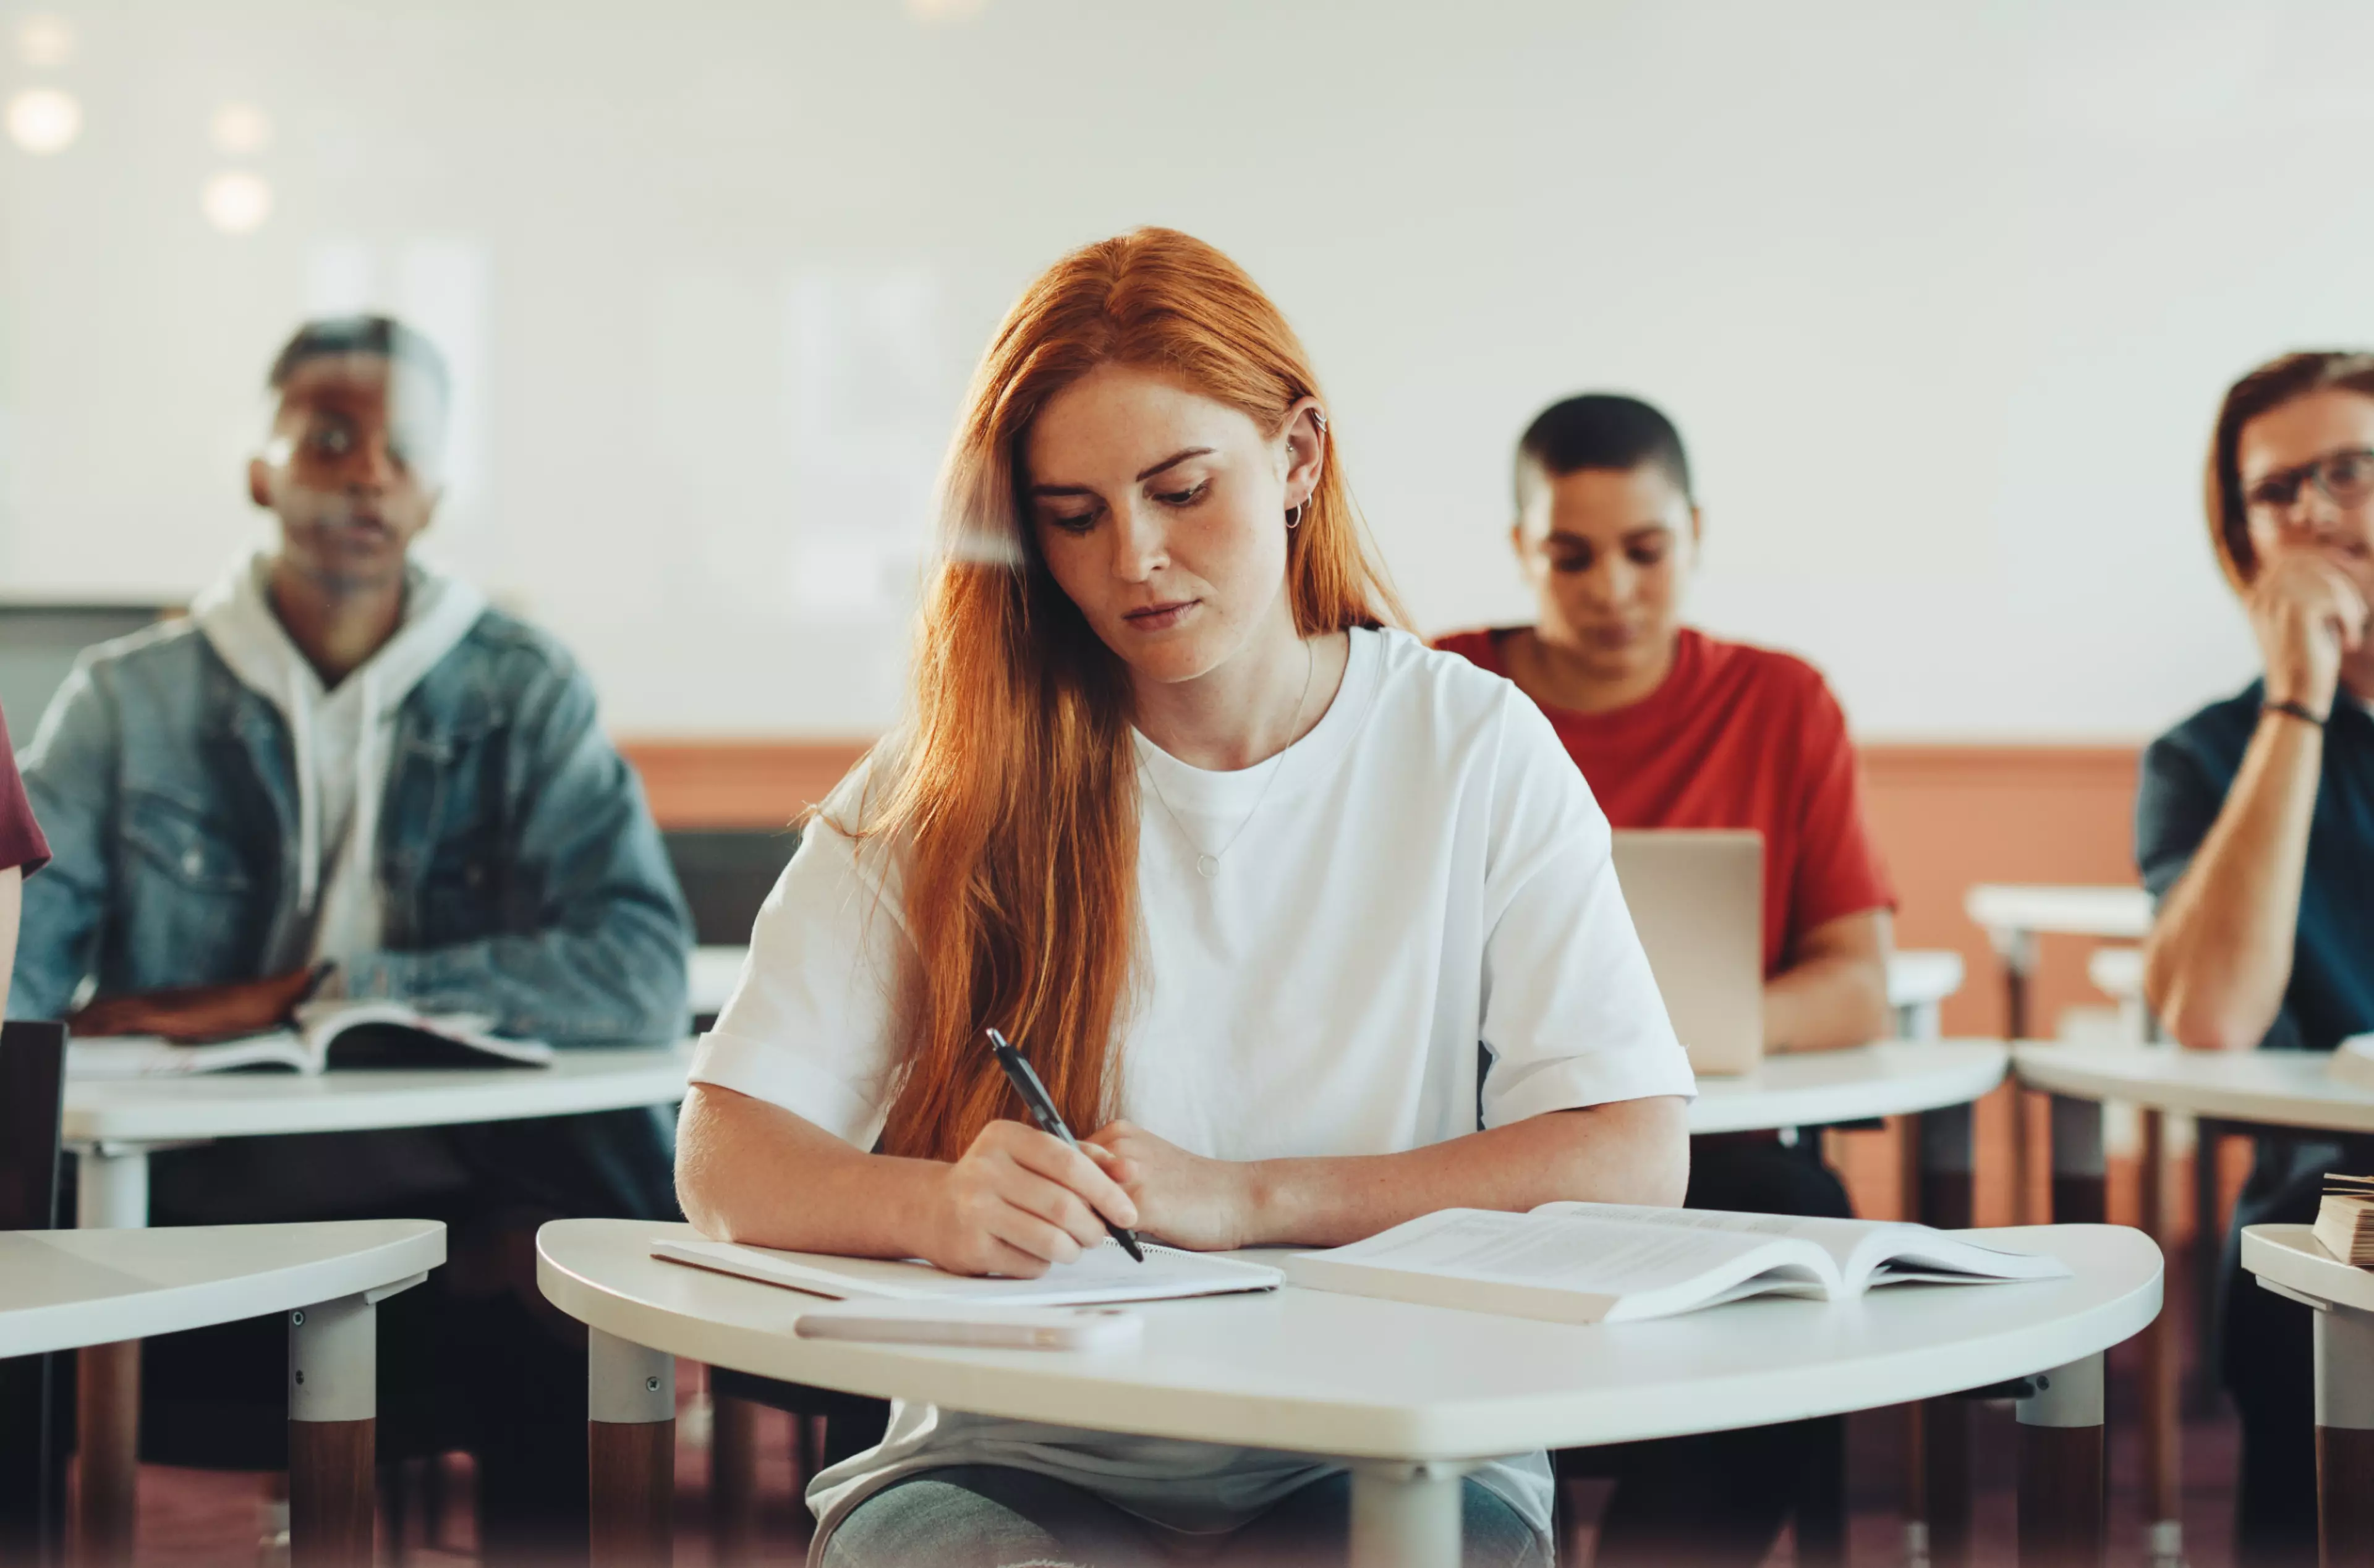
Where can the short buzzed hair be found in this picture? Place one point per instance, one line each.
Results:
(1599, 430)
(382, 337)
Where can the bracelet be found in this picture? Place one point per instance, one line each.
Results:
(2295, 710)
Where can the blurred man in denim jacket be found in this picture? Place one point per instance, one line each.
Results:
(345, 774)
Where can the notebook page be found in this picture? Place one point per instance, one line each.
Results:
(1103, 1273)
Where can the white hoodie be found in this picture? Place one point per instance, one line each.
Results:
(340, 740)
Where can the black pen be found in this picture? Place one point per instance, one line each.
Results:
(1042, 1111)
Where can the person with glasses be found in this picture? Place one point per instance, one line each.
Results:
(2255, 830)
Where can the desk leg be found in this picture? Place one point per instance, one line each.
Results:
(2345, 1436)
(2061, 1500)
(2163, 1468)
(1937, 1517)
(733, 1478)
(2079, 1170)
(110, 1193)
(2016, 948)
(630, 1447)
(1405, 1515)
(332, 1432)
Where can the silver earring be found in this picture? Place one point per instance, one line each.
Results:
(1294, 521)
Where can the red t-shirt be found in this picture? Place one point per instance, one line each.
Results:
(21, 843)
(1735, 737)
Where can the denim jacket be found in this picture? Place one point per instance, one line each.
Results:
(521, 873)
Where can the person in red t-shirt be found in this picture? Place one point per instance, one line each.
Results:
(1676, 729)
(23, 851)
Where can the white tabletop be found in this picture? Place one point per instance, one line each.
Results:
(2067, 911)
(2277, 1088)
(1345, 1376)
(2293, 1257)
(1810, 1088)
(713, 975)
(1920, 976)
(60, 1290)
(244, 1105)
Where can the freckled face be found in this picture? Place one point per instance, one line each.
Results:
(1161, 514)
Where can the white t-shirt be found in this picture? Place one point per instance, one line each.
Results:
(1427, 870)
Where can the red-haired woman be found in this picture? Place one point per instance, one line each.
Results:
(1249, 876)
(2255, 827)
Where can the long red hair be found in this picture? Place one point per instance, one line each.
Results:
(1010, 794)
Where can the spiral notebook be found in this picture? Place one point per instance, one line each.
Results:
(1102, 1274)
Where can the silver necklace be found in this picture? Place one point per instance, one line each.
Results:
(1207, 862)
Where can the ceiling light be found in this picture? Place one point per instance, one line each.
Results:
(43, 120)
(240, 129)
(236, 202)
(45, 42)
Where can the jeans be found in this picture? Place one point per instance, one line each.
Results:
(993, 1517)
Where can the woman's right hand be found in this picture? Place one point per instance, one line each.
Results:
(2308, 618)
(1020, 1200)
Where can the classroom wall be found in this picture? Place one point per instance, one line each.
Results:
(1942, 295)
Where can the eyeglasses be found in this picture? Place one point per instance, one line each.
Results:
(2345, 478)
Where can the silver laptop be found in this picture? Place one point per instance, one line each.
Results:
(1697, 899)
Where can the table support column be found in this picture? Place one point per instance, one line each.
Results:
(1937, 1517)
(332, 1432)
(733, 1478)
(631, 1448)
(2061, 1499)
(2079, 1170)
(2016, 948)
(110, 1193)
(1405, 1515)
(2163, 1467)
(2345, 1435)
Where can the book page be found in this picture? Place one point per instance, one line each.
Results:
(1866, 1251)
(1839, 1238)
(1561, 1251)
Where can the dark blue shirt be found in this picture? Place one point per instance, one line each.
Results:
(2186, 774)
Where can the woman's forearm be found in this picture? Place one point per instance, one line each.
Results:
(2220, 953)
(1629, 1151)
(751, 1172)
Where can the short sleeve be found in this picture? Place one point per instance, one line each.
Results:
(1838, 872)
(809, 1027)
(2177, 803)
(1571, 1013)
(21, 843)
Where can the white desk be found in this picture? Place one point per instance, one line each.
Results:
(2289, 1260)
(1918, 984)
(112, 1125)
(67, 1290)
(1811, 1088)
(2274, 1088)
(1335, 1375)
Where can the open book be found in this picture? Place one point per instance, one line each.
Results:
(328, 1034)
(1613, 1262)
(1102, 1274)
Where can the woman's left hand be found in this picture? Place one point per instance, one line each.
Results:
(1183, 1200)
